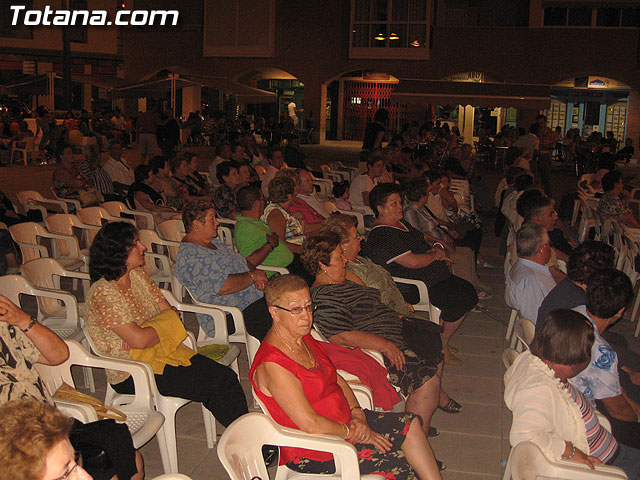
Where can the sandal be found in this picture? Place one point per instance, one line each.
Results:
(433, 432)
(441, 466)
(451, 407)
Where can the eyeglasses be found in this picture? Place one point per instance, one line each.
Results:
(77, 461)
(312, 307)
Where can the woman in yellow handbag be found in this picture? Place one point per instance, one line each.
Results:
(127, 317)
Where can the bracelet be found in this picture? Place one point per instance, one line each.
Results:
(573, 453)
(348, 429)
(253, 279)
(31, 324)
(357, 407)
(439, 244)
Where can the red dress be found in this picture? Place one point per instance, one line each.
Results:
(320, 386)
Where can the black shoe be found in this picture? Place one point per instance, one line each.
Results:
(433, 432)
(270, 454)
(441, 466)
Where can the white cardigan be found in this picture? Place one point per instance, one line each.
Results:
(543, 411)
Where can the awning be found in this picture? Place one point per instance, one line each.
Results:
(244, 93)
(152, 88)
(108, 82)
(470, 93)
(34, 85)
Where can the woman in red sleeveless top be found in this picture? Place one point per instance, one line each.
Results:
(301, 389)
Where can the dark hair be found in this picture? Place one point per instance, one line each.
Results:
(280, 187)
(157, 163)
(317, 249)
(141, 172)
(433, 175)
(381, 115)
(610, 180)
(378, 195)
(272, 151)
(375, 157)
(247, 196)
(415, 188)
(512, 173)
(340, 188)
(221, 147)
(195, 210)
(530, 205)
(522, 182)
(223, 169)
(587, 258)
(608, 291)
(224, 201)
(566, 338)
(175, 163)
(110, 249)
(188, 156)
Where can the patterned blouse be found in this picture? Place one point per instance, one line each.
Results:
(612, 206)
(204, 271)
(375, 276)
(293, 226)
(110, 307)
(19, 378)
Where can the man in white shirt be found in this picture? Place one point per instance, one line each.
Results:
(276, 164)
(223, 153)
(118, 169)
(362, 184)
(529, 143)
(530, 280)
(308, 195)
(293, 113)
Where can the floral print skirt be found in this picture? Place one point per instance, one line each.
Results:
(391, 465)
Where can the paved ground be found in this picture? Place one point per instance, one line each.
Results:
(473, 444)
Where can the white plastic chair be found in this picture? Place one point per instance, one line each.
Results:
(424, 304)
(325, 185)
(509, 356)
(143, 421)
(64, 248)
(65, 223)
(527, 462)
(512, 321)
(240, 449)
(75, 204)
(27, 151)
(98, 216)
(523, 333)
(331, 207)
(174, 231)
(157, 265)
(32, 200)
(143, 219)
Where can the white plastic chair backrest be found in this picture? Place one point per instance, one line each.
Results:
(240, 447)
(30, 196)
(63, 223)
(27, 232)
(527, 462)
(226, 237)
(149, 238)
(172, 230)
(44, 273)
(509, 356)
(98, 216)
(116, 209)
(12, 286)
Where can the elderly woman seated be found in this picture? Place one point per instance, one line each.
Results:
(68, 182)
(301, 389)
(35, 443)
(421, 218)
(214, 273)
(352, 315)
(289, 228)
(403, 251)
(121, 300)
(146, 194)
(548, 410)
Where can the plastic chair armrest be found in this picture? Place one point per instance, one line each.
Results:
(164, 261)
(75, 203)
(268, 268)
(41, 248)
(80, 411)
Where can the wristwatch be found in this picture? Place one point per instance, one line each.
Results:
(31, 324)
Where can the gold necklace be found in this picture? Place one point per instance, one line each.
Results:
(306, 348)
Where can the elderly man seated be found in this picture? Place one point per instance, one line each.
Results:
(608, 294)
(590, 257)
(530, 280)
(306, 205)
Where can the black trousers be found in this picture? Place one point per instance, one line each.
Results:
(215, 386)
(627, 433)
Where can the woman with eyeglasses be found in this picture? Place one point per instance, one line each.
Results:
(299, 386)
(35, 443)
(351, 314)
